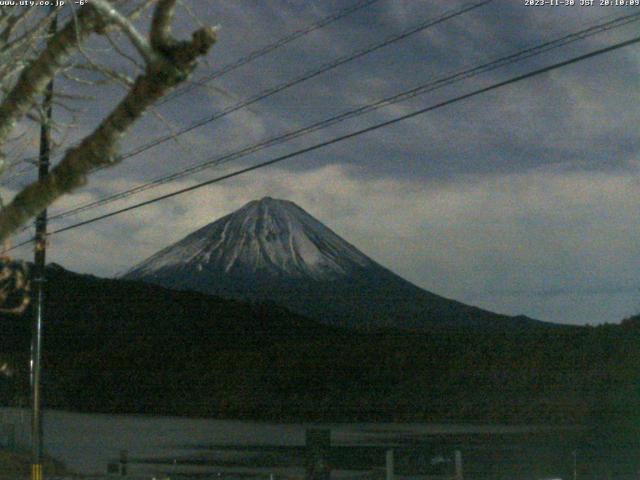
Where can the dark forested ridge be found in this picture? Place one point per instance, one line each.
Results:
(121, 346)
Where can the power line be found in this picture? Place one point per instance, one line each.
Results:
(356, 133)
(420, 90)
(270, 48)
(191, 84)
(306, 76)
(449, 14)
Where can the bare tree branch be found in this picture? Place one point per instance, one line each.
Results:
(141, 44)
(8, 44)
(102, 70)
(161, 24)
(122, 53)
(141, 7)
(171, 63)
(10, 25)
(35, 77)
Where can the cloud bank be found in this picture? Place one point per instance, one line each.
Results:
(557, 246)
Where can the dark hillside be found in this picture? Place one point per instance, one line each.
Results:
(121, 346)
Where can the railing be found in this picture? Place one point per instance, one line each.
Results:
(315, 460)
(14, 429)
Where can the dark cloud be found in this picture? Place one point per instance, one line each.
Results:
(520, 200)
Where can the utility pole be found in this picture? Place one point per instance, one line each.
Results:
(38, 281)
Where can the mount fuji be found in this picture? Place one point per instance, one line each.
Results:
(272, 250)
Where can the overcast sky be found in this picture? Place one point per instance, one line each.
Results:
(523, 200)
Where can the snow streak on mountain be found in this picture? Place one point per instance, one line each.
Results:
(272, 250)
(265, 237)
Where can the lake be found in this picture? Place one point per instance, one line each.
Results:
(87, 443)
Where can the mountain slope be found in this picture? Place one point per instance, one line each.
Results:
(122, 346)
(265, 239)
(273, 250)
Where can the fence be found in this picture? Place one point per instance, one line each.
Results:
(15, 429)
(317, 459)
(359, 451)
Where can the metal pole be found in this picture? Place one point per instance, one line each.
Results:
(458, 463)
(38, 281)
(390, 468)
(318, 445)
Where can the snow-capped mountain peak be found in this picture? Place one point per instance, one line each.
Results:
(269, 237)
(272, 250)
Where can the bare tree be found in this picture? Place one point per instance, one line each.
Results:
(30, 58)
